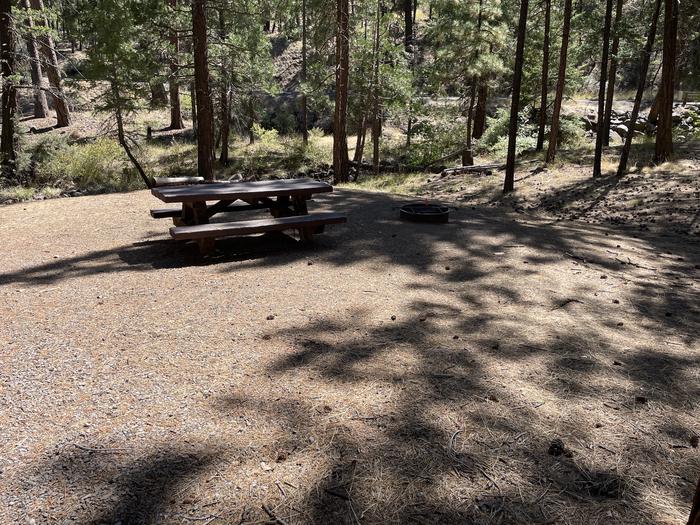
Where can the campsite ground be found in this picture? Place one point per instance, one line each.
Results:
(512, 366)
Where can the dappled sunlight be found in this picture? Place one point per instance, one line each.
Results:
(498, 368)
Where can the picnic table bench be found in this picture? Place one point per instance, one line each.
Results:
(285, 199)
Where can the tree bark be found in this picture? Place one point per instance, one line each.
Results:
(360, 141)
(341, 163)
(545, 74)
(41, 106)
(480, 110)
(224, 97)
(643, 71)
(664, 129)
(408, 25)
(193, 109)
(176, 121)
(467, 154)
(376, 91)
(303, 102)
(612, 73)
(597, 159)
(8, 137)
(225, 124)
(515, 100)
(561, 83)
(48, 51)
(205, 111)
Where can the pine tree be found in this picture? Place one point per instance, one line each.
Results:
(41, 106)
(176, 121)
(561, 83)
(8, 137)
(646, 57)
(664, 130)
(597, 160)
(545, 75)
(341, 163)
(48, 51)
(205, 110)
(509, 181)
(612, 73)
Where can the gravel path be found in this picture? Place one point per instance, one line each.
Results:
(497, 369)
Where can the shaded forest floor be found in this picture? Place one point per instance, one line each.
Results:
(507, 367)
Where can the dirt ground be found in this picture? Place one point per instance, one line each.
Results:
(502, 368)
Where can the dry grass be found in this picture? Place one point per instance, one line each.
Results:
(141, 385)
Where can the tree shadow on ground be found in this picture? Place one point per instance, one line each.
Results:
(505, 390)
(140, 489)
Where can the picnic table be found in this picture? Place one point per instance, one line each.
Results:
(285, 199)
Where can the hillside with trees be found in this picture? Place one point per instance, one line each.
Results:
(343, 92)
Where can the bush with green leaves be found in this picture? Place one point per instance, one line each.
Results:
(264, 150)
(94, 166)
(313, 155)
(495, 139)
(433, 139)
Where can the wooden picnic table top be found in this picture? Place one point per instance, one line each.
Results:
(241, 190)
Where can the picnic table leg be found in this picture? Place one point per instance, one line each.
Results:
(300, 207)
(281, 208)
(197, 213)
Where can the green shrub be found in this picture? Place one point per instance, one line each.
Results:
(299, 157)
(266, 147)
(95, 166)
(495, 137)
(571, 132)
(434, 139)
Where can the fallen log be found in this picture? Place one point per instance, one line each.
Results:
(471, 169)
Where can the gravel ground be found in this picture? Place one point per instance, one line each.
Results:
(502, 368)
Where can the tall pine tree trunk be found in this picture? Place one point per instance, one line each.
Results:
(480, 90)
(225, 118)
(342, 66)
(480, 110)
(597, 159)
(664, 130)
(360, 141)
(408, 25)
(467, 154)
(643, 70)
(205, 112)
(224, 110)
(561, 84)
(176, 121)
(509, 181)
(376, 91)
(612, 73)
(545, 75)
(8, 138)
(53, 71)
(193, 109)
(41, 106)
(303, 101)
